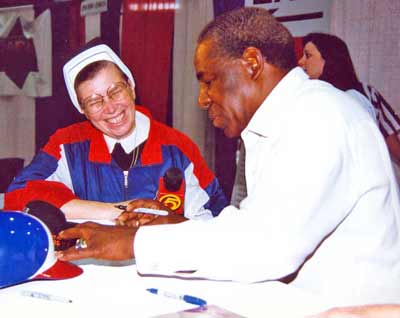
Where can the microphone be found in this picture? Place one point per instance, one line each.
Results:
(54, 219)
(171, 191)
(173, 178)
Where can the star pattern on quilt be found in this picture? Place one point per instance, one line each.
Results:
(18, 56)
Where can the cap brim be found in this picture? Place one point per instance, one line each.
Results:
(60, 270)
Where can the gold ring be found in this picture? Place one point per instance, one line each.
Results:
(80, 244)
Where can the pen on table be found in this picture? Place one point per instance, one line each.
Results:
(35, 294)
(143, 210)
(186, 298)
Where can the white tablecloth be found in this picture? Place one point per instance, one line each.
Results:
(110, 291)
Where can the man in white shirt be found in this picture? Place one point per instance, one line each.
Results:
(322, 197)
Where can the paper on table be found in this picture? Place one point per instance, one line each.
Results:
(209, 311)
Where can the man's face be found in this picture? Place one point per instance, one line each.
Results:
(116, 117)
(312, 61)
(223, 90)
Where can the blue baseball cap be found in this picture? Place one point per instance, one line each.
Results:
(27, 251)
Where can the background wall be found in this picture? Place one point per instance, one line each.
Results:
(371, 28)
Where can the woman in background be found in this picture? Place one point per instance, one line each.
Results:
(326, 57)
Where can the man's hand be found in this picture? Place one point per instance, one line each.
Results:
(103, 242)
(133, 219)
(147, 203)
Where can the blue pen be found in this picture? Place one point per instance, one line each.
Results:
(186, 298)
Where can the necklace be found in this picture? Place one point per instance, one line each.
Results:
(135, 152)
(135, 156)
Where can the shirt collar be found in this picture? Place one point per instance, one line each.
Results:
(267, 119)
(138, 136)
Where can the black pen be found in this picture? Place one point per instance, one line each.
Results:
(121, 207)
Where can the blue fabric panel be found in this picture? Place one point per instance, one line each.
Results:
(42, 166)
(105, 182)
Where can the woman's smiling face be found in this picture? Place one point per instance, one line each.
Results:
(116, 118)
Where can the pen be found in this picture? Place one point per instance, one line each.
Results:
(143, 210)
(35, 294)
(186, 298)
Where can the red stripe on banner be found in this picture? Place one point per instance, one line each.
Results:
(146, 48)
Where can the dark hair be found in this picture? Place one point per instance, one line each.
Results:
(338, 69)
(90, 71)
(236, 30)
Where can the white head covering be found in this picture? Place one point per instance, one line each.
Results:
(77, 63)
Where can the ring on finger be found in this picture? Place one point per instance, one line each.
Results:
(80, 244)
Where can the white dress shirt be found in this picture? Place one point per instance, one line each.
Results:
(320, 183)
(362, 100)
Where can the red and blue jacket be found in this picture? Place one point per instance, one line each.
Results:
(76, 164)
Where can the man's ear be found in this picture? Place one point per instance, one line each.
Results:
(253, 61)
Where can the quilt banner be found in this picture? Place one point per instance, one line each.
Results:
(26, 53)
(299, 16)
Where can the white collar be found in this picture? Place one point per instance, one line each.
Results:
(267, 119)
(138, 136)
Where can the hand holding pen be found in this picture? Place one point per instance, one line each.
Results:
(146, 211)
(140, 212)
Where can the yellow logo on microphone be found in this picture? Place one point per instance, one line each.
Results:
(172, 201)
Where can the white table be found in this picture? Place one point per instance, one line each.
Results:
(111, 291)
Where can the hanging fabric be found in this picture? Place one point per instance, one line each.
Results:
(26, 50)
(146, 48)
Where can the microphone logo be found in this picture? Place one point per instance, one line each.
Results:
(172, 201)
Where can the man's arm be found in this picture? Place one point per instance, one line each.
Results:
(103, 242)
(108, 242)
(130, 218)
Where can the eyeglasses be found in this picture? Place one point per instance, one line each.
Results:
(95, 103)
